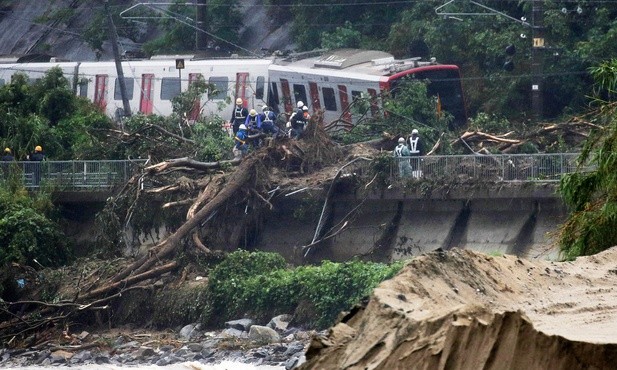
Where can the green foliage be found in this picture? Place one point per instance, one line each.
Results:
(342, 37)
(371, 22)
(178, 306)
(47, 113)
(381, 167)
(489, 123)
(205, 139)
(575, 41)
(410, 108)
(259, 285)
(223, 21)
(592, 195)
(604, 75)
(26, 229)
(93, 35)
(57, 15)
(227, 279)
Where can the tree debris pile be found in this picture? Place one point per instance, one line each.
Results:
(513, 313)
(544, 138)
(199, 209)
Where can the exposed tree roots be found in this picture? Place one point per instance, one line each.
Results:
(209, 200)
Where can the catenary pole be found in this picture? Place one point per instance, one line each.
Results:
(537, 58)
(201, 14)
(114, 45)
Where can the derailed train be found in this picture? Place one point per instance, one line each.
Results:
(329, 82)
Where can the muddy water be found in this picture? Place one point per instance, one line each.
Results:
(226, 365)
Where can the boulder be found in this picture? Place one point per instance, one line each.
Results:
(279, 323)
(263, 334)
(242, 324)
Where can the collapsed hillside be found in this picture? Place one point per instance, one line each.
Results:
(461, 310)
(57, 28)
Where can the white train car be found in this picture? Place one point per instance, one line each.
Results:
(152, 84)
(333, 81)
(35, 71)
(329, 82)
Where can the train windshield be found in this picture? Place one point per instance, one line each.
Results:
(444, 83)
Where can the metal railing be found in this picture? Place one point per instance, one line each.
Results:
(494, 168)
(72, 175)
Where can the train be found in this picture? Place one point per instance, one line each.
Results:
(329, 82)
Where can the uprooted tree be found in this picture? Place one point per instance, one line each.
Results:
(209, 200)
(205, 203)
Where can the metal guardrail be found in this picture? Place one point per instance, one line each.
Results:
(72, 175)
(100, 175)
(496, 168)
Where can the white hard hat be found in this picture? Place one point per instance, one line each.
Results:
(300, 104)
(242, 127)
(265, 108)
(305, 108)
(414, 131)
(401, 140)
(239, 101)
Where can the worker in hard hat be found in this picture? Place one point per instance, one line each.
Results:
(239, 115)
(401, 156)
(298, 121)
(241, 142)
(416, 149)
(37, 155)
(268, 118)
(7, 156)
(253, 121)
(35, 168)
(292, 119)
(253, 125)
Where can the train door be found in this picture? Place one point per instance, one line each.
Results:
(314, 92)
(195, 110)
(374, 104)
(344, 98)
(147, 88)
(100, 92)
(286, 95)
(241, 85)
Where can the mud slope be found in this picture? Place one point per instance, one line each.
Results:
(465, 310)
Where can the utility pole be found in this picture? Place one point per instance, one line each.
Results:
(201, 15)
(537, 58)
(114, 45)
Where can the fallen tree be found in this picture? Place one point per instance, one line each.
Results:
(200, 200)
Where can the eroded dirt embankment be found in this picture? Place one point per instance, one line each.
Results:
(466, 310)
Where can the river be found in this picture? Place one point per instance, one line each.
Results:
(194, 365)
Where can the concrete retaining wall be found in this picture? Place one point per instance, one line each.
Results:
(390, 229)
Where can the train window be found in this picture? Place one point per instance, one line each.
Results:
(260, 87)
(374, 107)
(275, 94)
(170, 87)
(329, 99)
(128, 82)
(361, 107)
(221, 84)
(83, 88)
(300, 93)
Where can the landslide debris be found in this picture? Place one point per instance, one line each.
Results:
(465, 310)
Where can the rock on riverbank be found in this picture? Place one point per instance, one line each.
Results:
(241, 342)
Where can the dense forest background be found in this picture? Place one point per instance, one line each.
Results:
(491, 44)
(578, 35)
